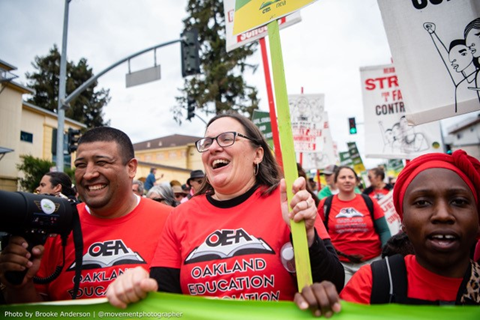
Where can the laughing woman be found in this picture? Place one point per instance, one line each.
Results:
(227, 241)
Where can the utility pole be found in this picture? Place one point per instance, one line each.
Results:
(61, 91)
(63, 102)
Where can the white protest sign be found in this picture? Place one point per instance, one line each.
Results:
(311, 131)
(391, 215)
(436, 50)
(387, 133)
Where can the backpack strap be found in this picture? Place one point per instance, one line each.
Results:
(327, 205)
(369, 203)
(389, 280)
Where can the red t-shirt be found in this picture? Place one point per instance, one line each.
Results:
(351, 228)
(230, 252)
(422, 284)
(110, 246)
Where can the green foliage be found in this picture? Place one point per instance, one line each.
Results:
(33, 169)
(221, 83)
(86, 108)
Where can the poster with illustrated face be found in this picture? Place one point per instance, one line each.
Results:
(312, 138)
(387, 132)
(436, 51)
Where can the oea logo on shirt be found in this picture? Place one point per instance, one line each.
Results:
(227, 243)
(108, 253)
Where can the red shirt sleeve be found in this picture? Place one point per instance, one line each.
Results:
(359, 288)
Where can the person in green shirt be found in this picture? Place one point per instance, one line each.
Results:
(330, 188)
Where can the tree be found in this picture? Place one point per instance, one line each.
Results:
(33, 169)
(86, 108)
(221, 86)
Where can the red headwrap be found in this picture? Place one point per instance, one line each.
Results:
(467, 167)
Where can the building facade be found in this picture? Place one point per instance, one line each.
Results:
(174, 157)
(25, 129)
(465, 135)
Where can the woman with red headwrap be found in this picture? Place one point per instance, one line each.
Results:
(437, 196)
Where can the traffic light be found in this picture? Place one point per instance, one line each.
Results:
(190, 52)
(190, 108)
(353, 125)
(73, 137)
(448, 149)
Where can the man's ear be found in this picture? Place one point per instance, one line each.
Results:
(132, 167)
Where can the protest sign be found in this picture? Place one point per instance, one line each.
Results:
(176, 306)
(262, 120)
(311, 131)
(250, 14)
(357, 162)
(435, 49)
(393, 219)
(387, 133)
(237, 40)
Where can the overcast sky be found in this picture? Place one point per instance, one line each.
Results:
(322, 54)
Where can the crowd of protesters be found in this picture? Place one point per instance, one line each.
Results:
(234, 217)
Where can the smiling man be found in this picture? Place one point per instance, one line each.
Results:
(110, 216)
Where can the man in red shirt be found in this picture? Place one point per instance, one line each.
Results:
(110, 217)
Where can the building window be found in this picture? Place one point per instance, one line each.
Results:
(25, 136)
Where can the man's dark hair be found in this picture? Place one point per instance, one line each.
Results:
(379, 172)
(108, 134)
(457, 42)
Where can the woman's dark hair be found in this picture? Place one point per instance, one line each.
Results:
(108, 134)
(344, 167)
(269, 172)
(474, 24)
(63, 179)
(398, 244)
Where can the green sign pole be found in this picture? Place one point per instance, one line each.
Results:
(299, 235)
